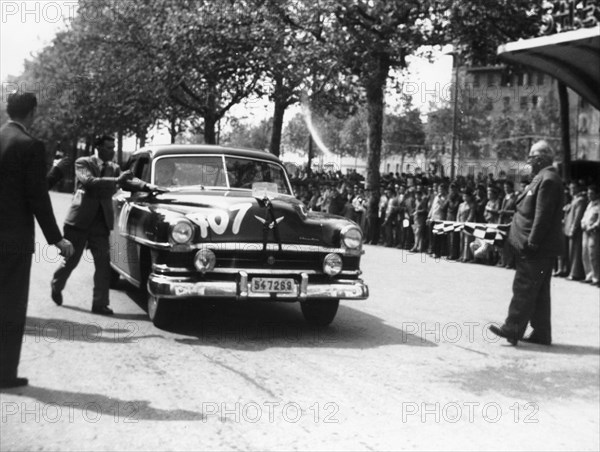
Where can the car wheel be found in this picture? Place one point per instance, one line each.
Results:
(158, 311)
(114, 278)
(319, 312)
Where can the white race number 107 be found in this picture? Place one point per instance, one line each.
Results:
(218, 221)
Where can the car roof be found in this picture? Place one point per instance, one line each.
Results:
(172, 149)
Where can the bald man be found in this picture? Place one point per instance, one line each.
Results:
(536, 237)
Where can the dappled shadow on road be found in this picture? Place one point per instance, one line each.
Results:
(92, 407)
(115, 316)
(255, 326)
(55, 330)
(529, 383)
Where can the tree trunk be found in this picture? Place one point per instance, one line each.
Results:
(120, 147)
(89, 145)
(374, 87)
(310, 155)
(210, 118)
(563, 97)
(142, 138)
(278, 112)
(402, 155)
(210, 136)
(173, 126)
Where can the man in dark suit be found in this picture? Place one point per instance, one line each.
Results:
(23, 196)
(536, 235)
(90, 219)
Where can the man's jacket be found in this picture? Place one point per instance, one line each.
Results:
(538, 219)
(23, 191)
(94, 189)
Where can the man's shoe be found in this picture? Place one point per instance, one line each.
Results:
(535, 339)
(102, 310)
(56, 296)
(13, 383)
(511, 337)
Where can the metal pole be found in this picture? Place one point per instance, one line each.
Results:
(454, 115)
(563, 97)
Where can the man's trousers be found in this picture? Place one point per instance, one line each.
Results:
(15, 269)
(531, 297)
(96, 238)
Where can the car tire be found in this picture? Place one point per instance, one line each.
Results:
(319, 312)
(114, 278)
(158, 311)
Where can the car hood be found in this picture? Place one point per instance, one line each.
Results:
(236, 216)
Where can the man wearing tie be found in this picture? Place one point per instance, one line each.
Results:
(90, 219)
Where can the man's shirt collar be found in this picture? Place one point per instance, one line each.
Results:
(98, 161)
(18, 124)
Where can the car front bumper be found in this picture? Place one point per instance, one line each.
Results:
(193, 287)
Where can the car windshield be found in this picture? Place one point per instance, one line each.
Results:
(208, 171)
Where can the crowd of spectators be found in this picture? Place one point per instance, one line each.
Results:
(409, 206)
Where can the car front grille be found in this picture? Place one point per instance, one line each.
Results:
(258, 260)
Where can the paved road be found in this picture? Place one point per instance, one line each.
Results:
(410, 368)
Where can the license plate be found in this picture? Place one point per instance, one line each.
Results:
(272, 285)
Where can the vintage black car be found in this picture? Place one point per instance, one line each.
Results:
(228, 227)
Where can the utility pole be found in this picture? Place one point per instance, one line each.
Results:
(455, 113)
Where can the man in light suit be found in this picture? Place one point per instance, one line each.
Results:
(23, 196)
(90, 219)
(536, 236)
(573, 231)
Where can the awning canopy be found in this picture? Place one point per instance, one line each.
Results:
(573, 57)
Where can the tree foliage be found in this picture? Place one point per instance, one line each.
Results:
(478, 27)
(369, 38)
(250, 136)
(186, 63)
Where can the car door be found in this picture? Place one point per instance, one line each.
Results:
(127, 250)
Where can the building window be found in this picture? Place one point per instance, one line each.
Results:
(521, 79)
(523, 103)
(504, 79)
(491, 79)
(540, 78)
(506, 102)
(535, 100)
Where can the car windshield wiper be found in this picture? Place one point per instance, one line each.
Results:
(188, 187)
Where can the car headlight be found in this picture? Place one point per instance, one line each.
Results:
(182, 232)
(332, 264)
(205, 260)
(351, 237)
